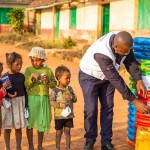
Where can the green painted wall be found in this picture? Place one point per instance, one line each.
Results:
(144, 14)
(73, 14)
(3, 15)
(105, 19)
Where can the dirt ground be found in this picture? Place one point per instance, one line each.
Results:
(120, 110)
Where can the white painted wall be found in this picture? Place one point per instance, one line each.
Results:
(80, 18)
(64, 20)
(87, 18)
(122, 15)
(47, 19)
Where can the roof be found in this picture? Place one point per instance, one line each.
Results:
(16, 1)
(38, 4)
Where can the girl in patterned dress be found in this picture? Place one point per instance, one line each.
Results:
(13, 117)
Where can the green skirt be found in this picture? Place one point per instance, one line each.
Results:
(39, 113)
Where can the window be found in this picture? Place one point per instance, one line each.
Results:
(143, 15)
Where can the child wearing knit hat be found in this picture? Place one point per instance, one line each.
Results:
(39, 78)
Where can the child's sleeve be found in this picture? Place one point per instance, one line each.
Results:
(74, 97)
(2, 92)
(52, 82)
(53, 101)
(28, 82)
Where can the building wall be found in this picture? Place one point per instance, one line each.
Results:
(47, 22)
(5, 28)
(86, 23)
(87, 17)
(64, 19)
(122, 15)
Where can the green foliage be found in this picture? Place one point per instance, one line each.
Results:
(68, 43)
(16, 17)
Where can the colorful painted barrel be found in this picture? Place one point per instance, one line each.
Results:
(136, 120)
(141, 41)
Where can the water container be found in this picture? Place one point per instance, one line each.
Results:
(142, 139)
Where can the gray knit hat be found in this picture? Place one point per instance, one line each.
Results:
(38, 52)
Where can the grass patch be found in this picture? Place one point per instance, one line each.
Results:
(40, 43)
(28, 40)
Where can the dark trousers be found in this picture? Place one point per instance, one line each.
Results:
(94, 89)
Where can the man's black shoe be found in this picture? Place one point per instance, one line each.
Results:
(89, 145)
(108, 147)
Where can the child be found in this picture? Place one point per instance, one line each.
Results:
(62, 96)
(39, 78)
(2, 92)
(13, 117)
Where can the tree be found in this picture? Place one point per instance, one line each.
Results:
(16, 17)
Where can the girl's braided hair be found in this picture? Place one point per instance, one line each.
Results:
(11, 57)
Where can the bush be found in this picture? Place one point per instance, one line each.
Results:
(68, 43)
(16, 17)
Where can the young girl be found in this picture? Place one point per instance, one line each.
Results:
(13, 117)
(2, 92)
(39, 78)
(62, 99)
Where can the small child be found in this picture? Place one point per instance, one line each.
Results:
(2, 92)
(13, 117)
(62, 98)
(39, 78)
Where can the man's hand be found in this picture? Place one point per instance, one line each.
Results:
(141, 88)
(141, 107)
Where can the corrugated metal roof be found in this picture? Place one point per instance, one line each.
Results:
(16, 1)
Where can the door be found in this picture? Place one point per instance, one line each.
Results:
(105, 19)
(3, 16)
(57, 23)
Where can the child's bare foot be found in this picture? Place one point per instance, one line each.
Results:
(17, 148)
(31, 147)
(7, 148)
(40, 148)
